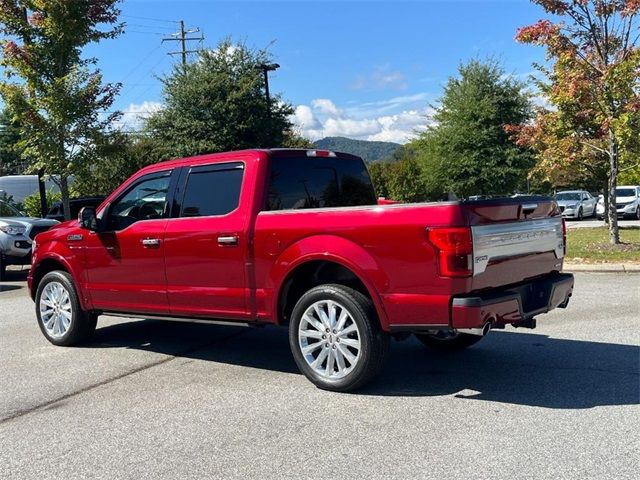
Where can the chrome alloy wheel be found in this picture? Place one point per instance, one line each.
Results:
(55, 309)
(329, 339)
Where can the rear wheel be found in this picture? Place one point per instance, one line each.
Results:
(60, 317)
(448, 340)
(335, 338)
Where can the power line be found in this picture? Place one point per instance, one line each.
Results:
(183, 38)
(149, 19)
(139, 25)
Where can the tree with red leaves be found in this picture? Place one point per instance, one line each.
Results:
(592, 85)
(56, 96)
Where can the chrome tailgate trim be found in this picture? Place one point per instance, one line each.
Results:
(501, 241)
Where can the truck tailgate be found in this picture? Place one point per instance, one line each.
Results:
(514, 240)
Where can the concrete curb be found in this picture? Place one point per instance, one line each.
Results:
(602, 267)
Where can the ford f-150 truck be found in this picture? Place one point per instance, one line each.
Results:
(298, 238)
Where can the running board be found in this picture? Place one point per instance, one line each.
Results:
(138, 316)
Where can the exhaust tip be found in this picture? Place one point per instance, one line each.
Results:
(486, 328)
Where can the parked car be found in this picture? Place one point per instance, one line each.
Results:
(627, 202)
(576, 204)
(298, 238)
(56, 212)
(17, 232)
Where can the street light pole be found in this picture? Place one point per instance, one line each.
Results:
(266, 68)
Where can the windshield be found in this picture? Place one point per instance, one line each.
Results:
(625, 192)
(568, 196)
(7, 210)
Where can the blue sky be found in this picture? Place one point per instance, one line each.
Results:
(363, 69)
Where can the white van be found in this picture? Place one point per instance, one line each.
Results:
(21, 186)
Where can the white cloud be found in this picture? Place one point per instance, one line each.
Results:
(304, 119)
(364, 122)
(381, 78)
(135, 113)
(326, 106)
(385, 79)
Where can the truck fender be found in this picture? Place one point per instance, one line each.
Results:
(56, 256)
(331, 248)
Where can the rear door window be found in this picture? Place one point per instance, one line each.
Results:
(212, 190)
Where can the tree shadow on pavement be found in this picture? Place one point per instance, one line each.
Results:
(514, 368)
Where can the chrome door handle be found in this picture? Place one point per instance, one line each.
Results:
(150, 242)
(228, 240)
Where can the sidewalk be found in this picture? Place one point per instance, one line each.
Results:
(602, 267)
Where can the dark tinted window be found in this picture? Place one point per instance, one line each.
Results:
(144, 201)
(312, 182)
(212, 192)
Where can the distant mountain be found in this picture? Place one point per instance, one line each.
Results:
(369, 151)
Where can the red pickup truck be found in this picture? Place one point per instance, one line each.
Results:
(298, 238)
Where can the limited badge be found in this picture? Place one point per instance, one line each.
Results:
(75, 238)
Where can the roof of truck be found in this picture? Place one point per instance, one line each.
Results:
(226, 156)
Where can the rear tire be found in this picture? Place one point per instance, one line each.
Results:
(60, 316)
(335, 338)
(448, 342)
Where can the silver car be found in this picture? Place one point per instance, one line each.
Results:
(576, 204)
(16, 236)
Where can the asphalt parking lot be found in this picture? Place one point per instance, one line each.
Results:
(152, 399)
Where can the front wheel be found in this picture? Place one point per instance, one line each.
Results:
(580, 214)
(335, 338)
(448, 340)
(60, 317)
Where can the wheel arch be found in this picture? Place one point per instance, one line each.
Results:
(325, 259)
(50, 263)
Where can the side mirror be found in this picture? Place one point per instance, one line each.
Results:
(87, 219)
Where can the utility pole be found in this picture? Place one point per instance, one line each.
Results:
(183, 37)
(266, 68)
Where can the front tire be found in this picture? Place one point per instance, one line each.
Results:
(448, 341)
(335, 338)
(580, 214)
(60, 317)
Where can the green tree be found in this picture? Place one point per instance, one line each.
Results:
(294, 139)
(405, 182)
(379, 172)
(218, 103)
(468, 151)
(59, 97)
(593, 85)
(31, 203)
(117, 156)
(10, 161)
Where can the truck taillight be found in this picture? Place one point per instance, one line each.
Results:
(564, 236)
(455, 249)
